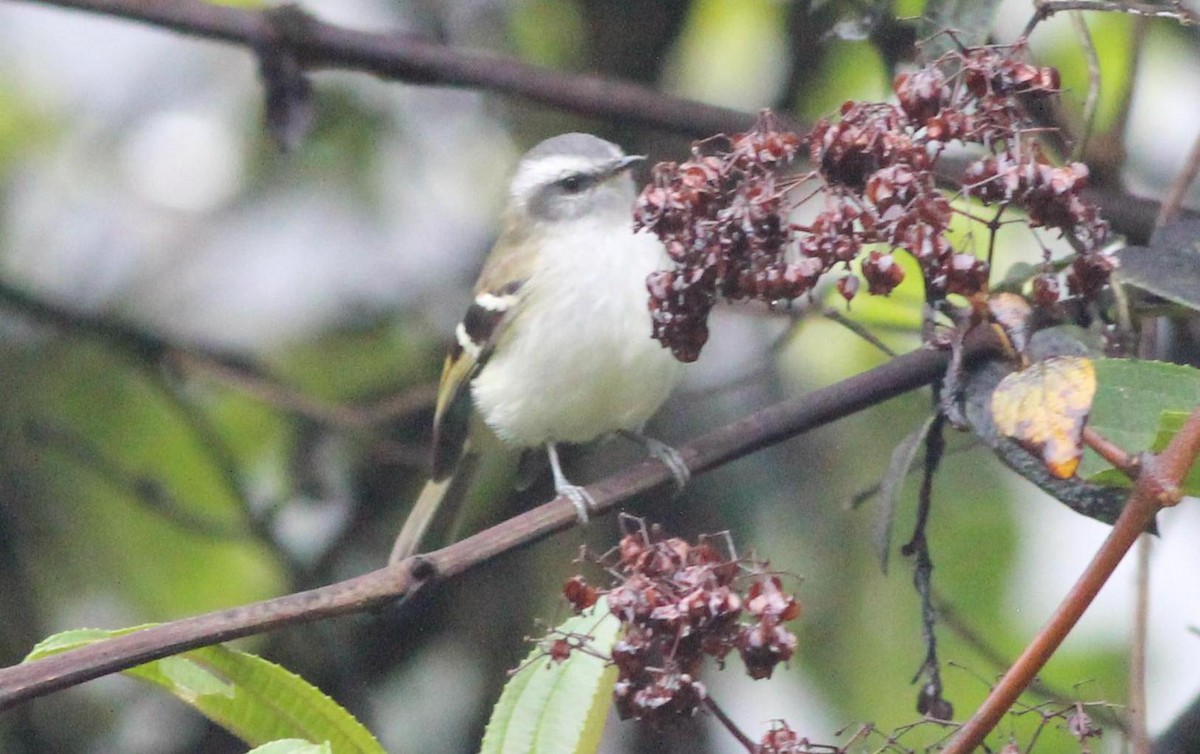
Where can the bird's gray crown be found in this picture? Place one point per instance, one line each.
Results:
(571, 176)
(586, 146)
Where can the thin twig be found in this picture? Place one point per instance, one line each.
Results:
(1079, 150)
(1174, 11)
(858, 328)
(950, 619)
(1114, 454)
(738, 439)
(1139, 738)
(730, 725)
(1157, 487)
(1179, 187)
(918, 547)
(282, 397)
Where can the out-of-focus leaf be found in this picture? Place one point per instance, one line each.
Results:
(23, 126)
(1169, 424)
(558, 708)
(132, 481)
(1044, 407)
(1131, 397)
(1092, 500)
(527, 25)
(256, 700)
(1181, 233)
(891, 485)
(749, 39)
(1170, 273)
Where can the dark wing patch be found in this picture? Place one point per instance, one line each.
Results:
(474, 340)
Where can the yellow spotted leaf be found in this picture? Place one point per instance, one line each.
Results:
(1045, 406)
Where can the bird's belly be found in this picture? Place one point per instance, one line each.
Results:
(573, 376)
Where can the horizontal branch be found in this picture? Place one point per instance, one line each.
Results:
(316, 45)
(758, 430)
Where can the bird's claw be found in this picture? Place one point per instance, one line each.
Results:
(670, 458)
(579, 497)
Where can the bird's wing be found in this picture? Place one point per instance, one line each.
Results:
(498, 298)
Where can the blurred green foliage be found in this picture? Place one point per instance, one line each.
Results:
(133, 491)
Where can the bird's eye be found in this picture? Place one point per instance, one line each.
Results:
(573, 183)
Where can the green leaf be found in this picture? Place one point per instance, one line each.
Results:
(558, 708)
(255, 700)
(892, 484)
(1169, 425)
(1131, 397)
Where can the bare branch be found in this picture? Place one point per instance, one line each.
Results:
(758, 430)
(1173, 10)
(318, 45)
(409, 59)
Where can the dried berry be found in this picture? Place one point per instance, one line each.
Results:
(579, 593)
(722, 215)
(680, 603)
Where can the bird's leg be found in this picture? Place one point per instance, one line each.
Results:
(663, 453)
(578, 496)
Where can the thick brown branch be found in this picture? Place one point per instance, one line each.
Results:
(758, 430)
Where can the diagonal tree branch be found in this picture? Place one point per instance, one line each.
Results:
(1157, 487)
(758, 430)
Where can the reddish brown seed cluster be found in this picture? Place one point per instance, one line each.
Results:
(722, 214)
(679, 603)
(781, 739)
(721, 218)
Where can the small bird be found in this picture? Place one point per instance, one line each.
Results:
(556, 346)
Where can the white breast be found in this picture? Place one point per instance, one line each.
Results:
(579, 362)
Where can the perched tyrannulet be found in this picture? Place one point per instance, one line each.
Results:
(556, 346)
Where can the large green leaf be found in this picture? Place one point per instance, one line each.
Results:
(256, 700)
(1169, 424)
(1130, 400)
(558, 708)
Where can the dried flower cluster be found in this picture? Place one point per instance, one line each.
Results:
(722, 214)
(679, 603)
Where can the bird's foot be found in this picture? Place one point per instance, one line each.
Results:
(664, 454)
(579, 497)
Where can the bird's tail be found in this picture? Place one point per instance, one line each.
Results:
(482, 480)
(419, 518)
